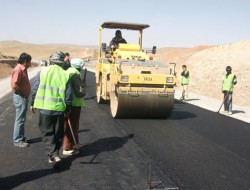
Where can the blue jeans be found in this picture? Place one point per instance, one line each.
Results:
(21, 105)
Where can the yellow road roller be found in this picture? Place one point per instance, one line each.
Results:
(130, 80)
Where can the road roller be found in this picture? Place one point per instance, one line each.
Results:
(130, 80)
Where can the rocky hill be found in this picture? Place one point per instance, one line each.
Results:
(207, 65)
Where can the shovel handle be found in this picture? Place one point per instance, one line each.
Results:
(70, 127)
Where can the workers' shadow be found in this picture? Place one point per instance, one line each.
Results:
(185, 101)
(13, 181)
(179, 102)
(35, 140)
(104, 145)
(95, 148)
(238, 111)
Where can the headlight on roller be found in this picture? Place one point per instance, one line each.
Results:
(124, 78)
(169, 79)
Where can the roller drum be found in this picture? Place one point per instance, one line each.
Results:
(141, 105)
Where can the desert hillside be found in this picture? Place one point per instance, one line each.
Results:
(43, 51)
(10, 51)
(206, 63)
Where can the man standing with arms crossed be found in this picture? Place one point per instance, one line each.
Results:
(21, 87)
(52, 95)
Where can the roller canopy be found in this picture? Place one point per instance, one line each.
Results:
(129, 26)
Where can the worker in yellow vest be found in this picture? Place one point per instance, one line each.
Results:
(51, 94)
(73, 117)
(184, 82)
(229, 80)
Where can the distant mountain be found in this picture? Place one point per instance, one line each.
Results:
(43, 51)
(15, 42)
(10, 42)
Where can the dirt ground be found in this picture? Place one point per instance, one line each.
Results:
(206, 64)
(6, 64)
(5, 70)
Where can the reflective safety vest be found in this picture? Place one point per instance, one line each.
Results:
(228, 83)
(185, 80)
(51, 91)
(75, 100)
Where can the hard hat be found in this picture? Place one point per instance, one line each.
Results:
(77, 63)
(228, 69)
(57, 58)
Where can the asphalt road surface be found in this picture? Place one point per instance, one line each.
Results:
(193, 149)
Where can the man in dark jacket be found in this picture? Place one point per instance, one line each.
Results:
(117, 40)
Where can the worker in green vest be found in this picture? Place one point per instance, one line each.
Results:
(51, 94)
(184, 82)
(229, 80)
(70, 142)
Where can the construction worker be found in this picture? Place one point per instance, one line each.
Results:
(66, 63)
(229, 80)
(51, 94)
(20, 85)
(71, 141)
(117, 40)
(184, 82)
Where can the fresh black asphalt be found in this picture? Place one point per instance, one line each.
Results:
(108, 159)
(193, 149)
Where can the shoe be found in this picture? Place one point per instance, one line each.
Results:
(55, 161)
(21, 144)
(225, 112)
(230, 113)
(70, 152)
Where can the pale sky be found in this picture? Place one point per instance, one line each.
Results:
(173, 23)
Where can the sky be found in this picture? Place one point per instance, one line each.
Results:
(173, 23)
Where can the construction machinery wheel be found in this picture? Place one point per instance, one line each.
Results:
(99, 98)
(114, 104)
(144, 105)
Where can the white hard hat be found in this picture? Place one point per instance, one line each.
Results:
(77, 63)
